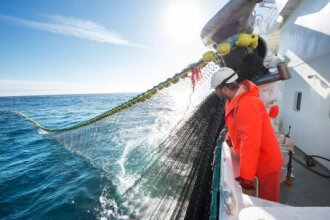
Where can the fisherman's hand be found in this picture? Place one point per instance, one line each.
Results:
(246, 184)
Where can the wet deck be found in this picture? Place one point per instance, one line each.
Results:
(309, 189)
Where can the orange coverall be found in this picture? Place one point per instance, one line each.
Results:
(254, 141)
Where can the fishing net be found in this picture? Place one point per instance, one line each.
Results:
(156, 149)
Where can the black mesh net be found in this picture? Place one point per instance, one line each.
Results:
(161, 151)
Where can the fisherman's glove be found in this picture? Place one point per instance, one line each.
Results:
(246, 184)
(228, 141)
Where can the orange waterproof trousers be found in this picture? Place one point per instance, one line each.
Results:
(269, 186)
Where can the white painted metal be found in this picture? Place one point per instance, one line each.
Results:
(305, 43)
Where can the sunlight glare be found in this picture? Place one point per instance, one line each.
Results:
(184, 22)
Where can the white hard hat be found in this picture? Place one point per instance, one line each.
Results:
(224, 74)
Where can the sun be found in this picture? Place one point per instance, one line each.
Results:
(183, 21)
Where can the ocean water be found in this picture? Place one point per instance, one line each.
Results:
(40, 178)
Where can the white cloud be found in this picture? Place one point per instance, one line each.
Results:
(70, 26)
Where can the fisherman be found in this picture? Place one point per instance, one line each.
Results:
(251, 134)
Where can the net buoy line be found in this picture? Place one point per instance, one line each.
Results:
(241, 40)
(166, 175)
(139, 98)
(171, 179)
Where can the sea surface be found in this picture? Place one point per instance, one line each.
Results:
(39, 177)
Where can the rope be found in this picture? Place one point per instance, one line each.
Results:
(140, 98)
(314, 171)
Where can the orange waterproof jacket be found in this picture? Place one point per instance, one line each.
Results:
(252, 134)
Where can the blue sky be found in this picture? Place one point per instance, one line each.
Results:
(80, 46)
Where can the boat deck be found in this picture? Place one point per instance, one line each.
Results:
(308, 189)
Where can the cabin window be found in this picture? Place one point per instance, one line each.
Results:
(297, 103)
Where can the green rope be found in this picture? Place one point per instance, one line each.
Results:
(27, 118)
(140, 98)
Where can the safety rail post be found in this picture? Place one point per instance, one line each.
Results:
(215, 198)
